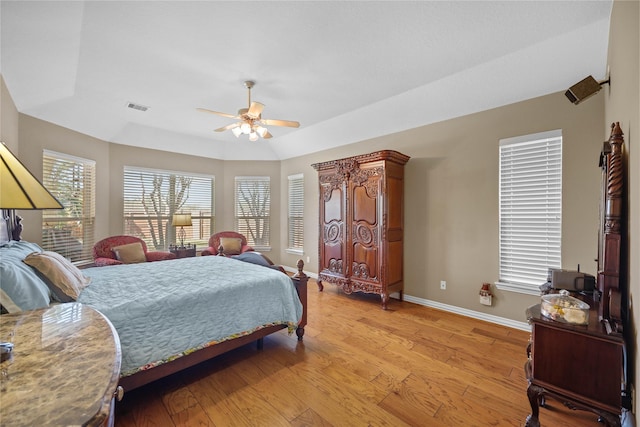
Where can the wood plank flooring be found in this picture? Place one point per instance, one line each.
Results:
(357, 366)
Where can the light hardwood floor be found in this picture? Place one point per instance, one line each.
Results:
(357, 366)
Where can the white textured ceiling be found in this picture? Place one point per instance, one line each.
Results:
(346, 70)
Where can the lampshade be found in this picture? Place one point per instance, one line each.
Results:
(19, 189)
(181, 220)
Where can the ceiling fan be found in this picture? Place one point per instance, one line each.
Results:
(251, 121)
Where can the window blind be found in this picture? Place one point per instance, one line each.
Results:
(530, 210)
(296, 212)
(151, 197)
(253, 209)
(69, 231)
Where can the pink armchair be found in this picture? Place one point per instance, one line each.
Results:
(214, 243)
(103, 254)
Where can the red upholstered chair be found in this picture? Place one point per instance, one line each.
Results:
(214, 243)
(103, 254)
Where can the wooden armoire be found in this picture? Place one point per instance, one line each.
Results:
(362, 223)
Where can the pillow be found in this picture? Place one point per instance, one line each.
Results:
(130, 254)
(255, 258)
(20, 287)
(230, 245)
(63, 278)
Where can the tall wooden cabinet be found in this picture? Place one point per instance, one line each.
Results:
(362, 223)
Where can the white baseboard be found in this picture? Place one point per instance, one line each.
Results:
(523, 326)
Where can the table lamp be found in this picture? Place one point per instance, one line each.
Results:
(19, 189)
(181, 220)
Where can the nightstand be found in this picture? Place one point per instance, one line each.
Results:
(186, 251)
(63, 370)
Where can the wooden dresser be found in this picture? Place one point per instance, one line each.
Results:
(362, 223)
(63, 370)
(584, 366)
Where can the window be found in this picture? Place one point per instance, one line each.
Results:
(296, 214)
(530, 210)
(252, 210)
(151, 197)
(69, 231)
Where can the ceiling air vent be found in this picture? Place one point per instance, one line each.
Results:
(137, 106)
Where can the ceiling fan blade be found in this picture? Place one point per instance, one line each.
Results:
(274, 122)
(228, 127)
(255, 109)
(231, 116)
(267, 135)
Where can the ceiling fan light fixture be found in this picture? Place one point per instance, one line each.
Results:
(253, 136)
(261, 131)
(245, 128)
(237, 131)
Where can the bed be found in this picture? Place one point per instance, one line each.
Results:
(169, 315)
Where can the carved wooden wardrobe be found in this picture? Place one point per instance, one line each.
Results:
(362, 223)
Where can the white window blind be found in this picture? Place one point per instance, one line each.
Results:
(253, 209)
(69, 231)
(530, 210)
(296, 213)
(151, 197)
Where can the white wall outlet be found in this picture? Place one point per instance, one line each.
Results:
(485, 299)
(443, 284)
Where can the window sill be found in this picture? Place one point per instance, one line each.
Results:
(299, 252)
(262, 248)
(521, 289)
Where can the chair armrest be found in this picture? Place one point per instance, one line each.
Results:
(209, 251)
(103, 262)
(159, 256)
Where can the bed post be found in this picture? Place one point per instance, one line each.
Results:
(300, 281)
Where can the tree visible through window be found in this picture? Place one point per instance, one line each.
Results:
(69, 231)
(151, 197)
(530, 210)
(252, 210)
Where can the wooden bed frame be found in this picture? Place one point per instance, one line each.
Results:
(141, 378)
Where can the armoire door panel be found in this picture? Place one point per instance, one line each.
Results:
(364, 263)
(364, 206)
(333, 209)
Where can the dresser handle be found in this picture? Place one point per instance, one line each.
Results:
(119, 393)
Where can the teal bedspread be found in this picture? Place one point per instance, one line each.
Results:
(163, 310)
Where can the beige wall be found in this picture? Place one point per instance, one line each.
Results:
(8, 119)
(451, 197)
(622, 100)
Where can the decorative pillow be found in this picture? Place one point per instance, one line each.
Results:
(256, 258)
(230, 245)
(64, 279)
(20, 287)
(131, 253)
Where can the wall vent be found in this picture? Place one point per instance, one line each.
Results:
(137, 106)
